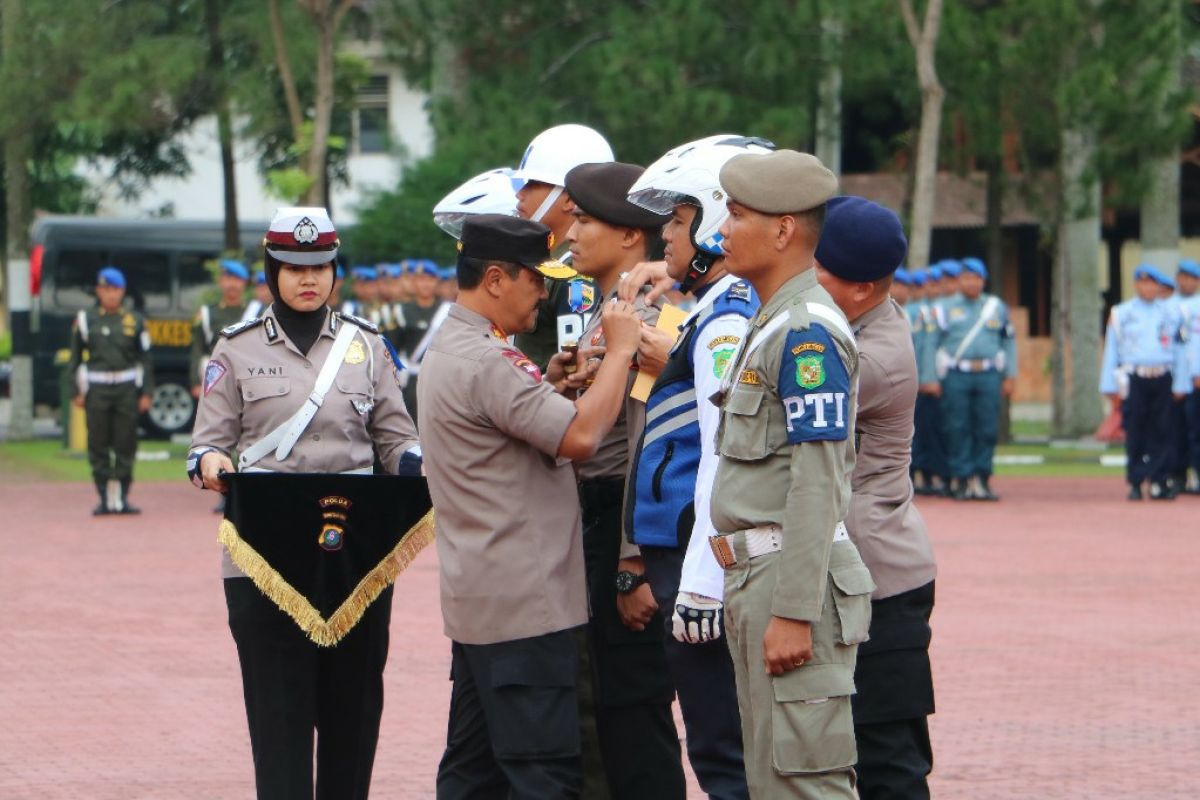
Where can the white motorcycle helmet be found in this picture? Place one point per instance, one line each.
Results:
(556, 151)
(491, 192)
(690, 174)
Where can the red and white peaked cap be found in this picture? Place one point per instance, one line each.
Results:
(302, 235)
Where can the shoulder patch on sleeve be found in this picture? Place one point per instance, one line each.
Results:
(213, 373)
(814, 387)
(241, 327)
(365, 324)
(740, 291)
(522, 363)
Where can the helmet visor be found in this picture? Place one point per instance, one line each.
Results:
(451, 222)
(660, 201)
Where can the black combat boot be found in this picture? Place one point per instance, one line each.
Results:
(959, 490)
(125, 507)
(102, 508)
(1135, 491)
(984, 492)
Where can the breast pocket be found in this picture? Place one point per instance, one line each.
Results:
(254, 389)
(356, 390)
(746, 426)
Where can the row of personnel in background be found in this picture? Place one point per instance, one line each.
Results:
(600, 553)
(966, 362)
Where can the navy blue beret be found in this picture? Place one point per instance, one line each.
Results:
(861, 240)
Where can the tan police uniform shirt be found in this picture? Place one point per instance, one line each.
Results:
(509, 539)
(611, 459)
(256, 379)
(765, 479)
(882, 521)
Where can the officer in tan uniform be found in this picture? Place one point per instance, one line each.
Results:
(796, 592)
(499, 440)
(261, 374)
(638, 741)
(861, 246)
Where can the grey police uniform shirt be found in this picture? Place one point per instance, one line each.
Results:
(256, 379)
(766, 478)
(883, 522)
(509, 536)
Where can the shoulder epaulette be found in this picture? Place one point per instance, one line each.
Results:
(241, 327)
(739, 291)
(365, 324)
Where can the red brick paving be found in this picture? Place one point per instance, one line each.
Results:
(1065, 645)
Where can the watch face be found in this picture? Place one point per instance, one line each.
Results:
(624, 581)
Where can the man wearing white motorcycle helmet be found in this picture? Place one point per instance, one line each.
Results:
(667, 497)
(491, 192)
(543, 197)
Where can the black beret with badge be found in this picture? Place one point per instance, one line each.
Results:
(783, 182)
(500, 237)
(602, 191)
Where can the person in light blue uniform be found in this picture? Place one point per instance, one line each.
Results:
(1178, 437)
(932, 467)
(1187, 279)
(1145, 363)
(972, 353)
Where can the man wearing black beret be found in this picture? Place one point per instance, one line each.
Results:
(638, 740)
(861, 246)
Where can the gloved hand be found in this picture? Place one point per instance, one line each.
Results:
(696, 619)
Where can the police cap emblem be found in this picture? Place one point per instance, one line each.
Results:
(305, 231)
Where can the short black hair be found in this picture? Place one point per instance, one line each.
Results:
(814, 218)
(470, 270)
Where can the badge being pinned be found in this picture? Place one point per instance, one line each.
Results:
(212, 375)
(581, 295)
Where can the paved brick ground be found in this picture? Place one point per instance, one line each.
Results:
(1065, 649)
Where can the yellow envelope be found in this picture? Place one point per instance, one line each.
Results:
(669, 321)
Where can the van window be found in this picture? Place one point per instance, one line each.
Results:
(75, 278)
(148, 280)
(196, 283)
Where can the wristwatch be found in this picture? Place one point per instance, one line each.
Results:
(628, 581)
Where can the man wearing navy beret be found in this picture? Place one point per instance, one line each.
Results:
(861, 247)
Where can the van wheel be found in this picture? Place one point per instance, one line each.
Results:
(171, 409)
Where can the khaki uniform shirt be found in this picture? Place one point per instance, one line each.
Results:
(883, 522)
(509, 539)
(785, 443)
(257, 379)
(611, 459)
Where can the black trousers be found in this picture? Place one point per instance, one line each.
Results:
(704, 682)
(293, 687)
(1180, 438)
(1147, 415)
(895, 696)
(638, 740)
(1191, 407)
(514, 721)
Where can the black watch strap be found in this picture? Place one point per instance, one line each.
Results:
(628, 581)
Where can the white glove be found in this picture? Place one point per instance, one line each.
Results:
(696, 619)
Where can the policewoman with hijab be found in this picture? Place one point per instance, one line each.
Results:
(264, 375)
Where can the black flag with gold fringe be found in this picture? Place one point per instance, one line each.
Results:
(323, 547)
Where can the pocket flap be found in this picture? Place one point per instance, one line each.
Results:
(744, 401)
(854, 579)
(813, 683)
(258, 388)
(528, 670)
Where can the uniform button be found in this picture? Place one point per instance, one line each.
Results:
(308, 365)
(316, 437)
(249, 394)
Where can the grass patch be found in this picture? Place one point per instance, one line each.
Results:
(46, 460)
(1059, 461)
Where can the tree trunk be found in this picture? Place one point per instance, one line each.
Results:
(18, 205)
(1160, 214)
(1078, 409)
(829, 90)
(322, 112)
(295, 114)
(924, 42)
(216, 62)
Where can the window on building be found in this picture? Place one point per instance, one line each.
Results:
(371, 133)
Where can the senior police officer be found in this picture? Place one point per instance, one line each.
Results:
(973, 353)
(230, 308)
(667, 500)
(113, 383)
(1145, 363)
(254, 402)
(797, 598)
(861, 244)
(511, 553)
(638, 740)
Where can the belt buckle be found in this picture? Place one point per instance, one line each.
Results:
(722, 551)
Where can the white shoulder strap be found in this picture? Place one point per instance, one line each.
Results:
(82, 324)
(989, 308)
(206, 325)
(284, 437)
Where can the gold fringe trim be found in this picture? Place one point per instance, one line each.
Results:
(326, 632)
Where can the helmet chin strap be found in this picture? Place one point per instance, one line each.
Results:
(547, 204)
(701, 263)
